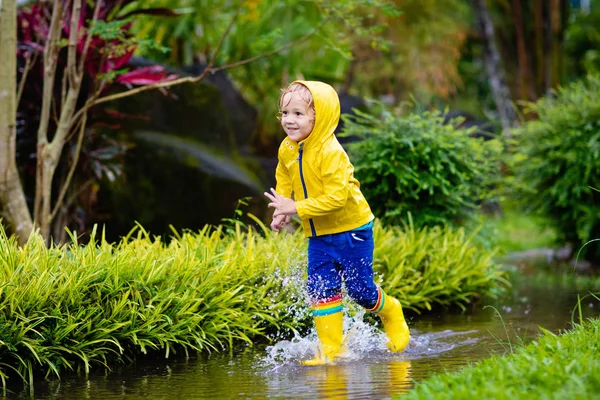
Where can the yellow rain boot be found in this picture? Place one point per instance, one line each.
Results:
(330, 333)
(394, 325)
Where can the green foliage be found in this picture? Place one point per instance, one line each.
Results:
(439, 265)
(110, 30)
(557, 161)
(553, 367)
(582, 43)
(417, 164)
(286, 39)
(515, 230)
(424, 45)
(78, 308)
(372, 47)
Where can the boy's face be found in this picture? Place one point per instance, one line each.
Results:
(297, 119)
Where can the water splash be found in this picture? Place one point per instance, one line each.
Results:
(365, 342)
(362, 339)
(433, 344)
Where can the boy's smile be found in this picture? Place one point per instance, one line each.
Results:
(297, 119)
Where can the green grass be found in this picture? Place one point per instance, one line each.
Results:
(516, 231)
(564, 278)
(552, 367)
(80, 307)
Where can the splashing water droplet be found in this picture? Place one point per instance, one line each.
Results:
(364, 339)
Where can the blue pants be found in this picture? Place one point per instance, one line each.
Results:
(346, 256)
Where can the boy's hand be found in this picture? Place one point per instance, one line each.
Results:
(279, 222)
(282, 205)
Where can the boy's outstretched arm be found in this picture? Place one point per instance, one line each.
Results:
(281, 204)
(279, 222)
(284, 208)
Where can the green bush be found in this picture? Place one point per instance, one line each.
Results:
(557, 161)
(582, 43)
(417, 164)
(437, 265)
(76, 307)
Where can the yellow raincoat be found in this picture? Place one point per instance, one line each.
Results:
(317, 172)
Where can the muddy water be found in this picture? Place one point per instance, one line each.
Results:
(441, 342)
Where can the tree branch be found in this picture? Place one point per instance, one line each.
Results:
(72, 52)
(29, 61)
(51, 151)
(75, 77)
(222, 40)
(205, 72)
(72, 198)
(269, 54)
(63, 92)
(131, 92)
(50, 61)
(88, 39)
(190, 79)
(67, 181)
(50, 56)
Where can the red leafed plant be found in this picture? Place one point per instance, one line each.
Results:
(111, 46)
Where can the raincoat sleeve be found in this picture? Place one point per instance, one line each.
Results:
(284, 182)
(335, 177)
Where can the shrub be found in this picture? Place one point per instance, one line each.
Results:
(438, 265)
(557, 161)
(417, 164)
(76, 307)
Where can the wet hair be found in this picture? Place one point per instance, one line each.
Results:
(302, 91)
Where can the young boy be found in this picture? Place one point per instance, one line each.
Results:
(315, 180)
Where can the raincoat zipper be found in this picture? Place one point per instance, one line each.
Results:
(312, 225)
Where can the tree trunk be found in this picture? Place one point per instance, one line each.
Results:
(538, 20)
(49, 152)
(555, 23)
(12, 198)
(50, 157)
(45, 165)
(494, 68)
(525, 82)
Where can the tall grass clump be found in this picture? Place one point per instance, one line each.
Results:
(78, 307)
(421, 165)
(552, 367)
(75, 307)
(425, 266)
(557, 163)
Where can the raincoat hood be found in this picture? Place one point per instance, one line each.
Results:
(327, 111)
